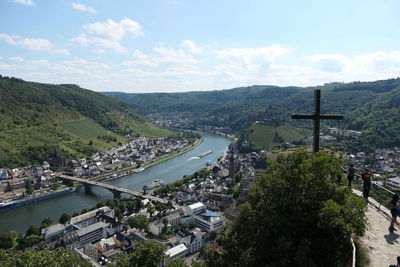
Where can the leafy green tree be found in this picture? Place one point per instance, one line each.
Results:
(64, 218)
(28, 186)
(178, 262)
(28, 241)
(46, 222)
(295, 216)
(151, 210)
(32, 230)
(7, 239)
(41, 258)
(148, 254)
(140, 221)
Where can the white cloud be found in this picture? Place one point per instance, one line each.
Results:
(34, 44)
(4, 66)
(59, 52)
(330, 62)
(99, 51)
(85, 40)
(28, 43)
(172, 55)
(108, 34)
(24, 2)
(84, 8)
(16, 59)
(114, 31)
(190, 46)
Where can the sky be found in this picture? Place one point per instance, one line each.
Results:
(143, 46)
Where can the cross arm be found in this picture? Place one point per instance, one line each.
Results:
(313, 117)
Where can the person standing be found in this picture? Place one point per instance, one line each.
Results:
(350, 174)
(367, 177)
(393, 205)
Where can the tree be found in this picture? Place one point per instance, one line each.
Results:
(28, 186)
(151, 210)
(139, 221)
(7, 239)
(295, 216)
(64, 218)
(32, 230)
(178, 262)
(41, 258)
(46, 222)
(28, 241)
(148, 254)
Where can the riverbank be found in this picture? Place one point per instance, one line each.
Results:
(109, 176)
(34, 199)
(129, 170)
(169, 171)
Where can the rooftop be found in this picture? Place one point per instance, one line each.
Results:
(87, 215)
(172, 252)
(91, 228)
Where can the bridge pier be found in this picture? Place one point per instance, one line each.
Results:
(88, 189)
(117, 194)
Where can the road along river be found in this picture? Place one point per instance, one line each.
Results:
(169, 171)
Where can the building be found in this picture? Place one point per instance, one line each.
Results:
(156, 227)
(89, 234)
(193, 240)
(209, 221)
(393, 182)
(51, 232)
(91, 217)
(179, 251)
(196, 208)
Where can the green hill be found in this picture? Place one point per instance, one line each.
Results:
(371, 107)
(41, 119)
(269, 136)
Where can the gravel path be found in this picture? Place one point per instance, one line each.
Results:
(383, 246)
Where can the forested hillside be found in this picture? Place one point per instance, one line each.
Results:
(371, 107)
(236, 107)
(40, 119)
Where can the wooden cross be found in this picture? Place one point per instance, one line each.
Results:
(316, 117)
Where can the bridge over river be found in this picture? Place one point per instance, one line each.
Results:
(114, 189)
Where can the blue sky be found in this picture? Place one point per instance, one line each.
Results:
(182, 45)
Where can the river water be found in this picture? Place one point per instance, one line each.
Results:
(20, 218)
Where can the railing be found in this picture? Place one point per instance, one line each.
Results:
(381, 194)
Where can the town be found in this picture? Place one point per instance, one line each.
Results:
(194, 214)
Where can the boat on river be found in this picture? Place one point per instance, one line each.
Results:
(155, 183)
(204, 154)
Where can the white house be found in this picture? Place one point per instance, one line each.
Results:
(393, 182)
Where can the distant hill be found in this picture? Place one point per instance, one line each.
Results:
(236, 107)
(372, 107)
(41, 119)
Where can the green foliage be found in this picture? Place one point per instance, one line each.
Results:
(28, 241)
(41, 258)
(32, 230)
(46, 222)
(296, 216)
(148, 254)
(7, 240)
(178, 262)
(64, 218)
(139, 221)
(372, 107)
(40, 118)
(268, 135)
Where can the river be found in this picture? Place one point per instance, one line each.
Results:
(169, 171)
